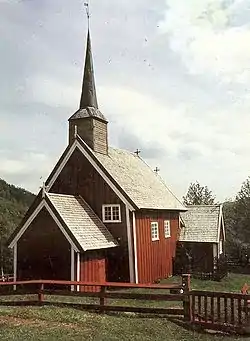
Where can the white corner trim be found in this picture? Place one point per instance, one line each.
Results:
(33, 216)
(15, 265)
(135, 249)
(78, 270)
(72, 267)
(130, 248)
(75, 145)
(221, 225)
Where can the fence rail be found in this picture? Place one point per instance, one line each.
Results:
(219, 310)
(103, 292)
(211, 310)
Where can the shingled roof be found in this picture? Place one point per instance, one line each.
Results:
(83, 223)
(202, 223)
(141, 184)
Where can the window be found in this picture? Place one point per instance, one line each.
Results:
(154, 231)
(167, 230)
(111, 213)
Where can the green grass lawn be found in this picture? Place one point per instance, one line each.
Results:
(53, 323)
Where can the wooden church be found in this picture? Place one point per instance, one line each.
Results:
(103, 214)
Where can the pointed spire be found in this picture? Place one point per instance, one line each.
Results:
(88, 96)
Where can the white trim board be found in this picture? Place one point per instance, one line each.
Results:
(221, 225)
(135, 249)
(130, 248)
(33, 216)
(75, 145)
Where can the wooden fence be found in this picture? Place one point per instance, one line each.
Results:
(210, 310)
(104, 293)
(219, 310)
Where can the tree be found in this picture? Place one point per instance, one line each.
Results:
(237, 222)
(241, 221)
(198, 195)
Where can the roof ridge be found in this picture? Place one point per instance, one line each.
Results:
(62, 195)
(204, 205)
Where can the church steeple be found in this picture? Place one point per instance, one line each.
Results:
(88, 121)
(88, 96)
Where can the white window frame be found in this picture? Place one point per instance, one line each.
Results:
(154, 233)
(112, 220)
(167, 229)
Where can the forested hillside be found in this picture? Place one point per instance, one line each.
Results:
(14, 202)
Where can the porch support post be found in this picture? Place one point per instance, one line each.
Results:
(15, 264)
(72, 266)
(78, 269)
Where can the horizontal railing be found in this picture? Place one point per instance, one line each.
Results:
(101, 291)
(219, 310)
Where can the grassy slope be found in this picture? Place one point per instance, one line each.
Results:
(52, 323)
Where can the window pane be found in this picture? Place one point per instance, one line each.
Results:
(116, 213)
(108, 215)
(154, 231)
(167, 230)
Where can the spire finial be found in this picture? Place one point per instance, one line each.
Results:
(86, 5)
(43, 189)
(88, 96)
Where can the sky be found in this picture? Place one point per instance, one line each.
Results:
(172, 78)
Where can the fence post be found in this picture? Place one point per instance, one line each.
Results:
(102, 298)
(41, 294)
(187, 300)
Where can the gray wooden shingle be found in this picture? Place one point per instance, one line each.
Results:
(84, 224)
(201, 224)
(143, 186)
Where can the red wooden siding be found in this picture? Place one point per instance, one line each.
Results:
(43, 252)
(155, 257)
(79, 177)
(92, 269)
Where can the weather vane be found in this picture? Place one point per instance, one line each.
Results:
(86, 5)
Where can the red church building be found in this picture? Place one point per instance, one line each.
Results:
(103, 213)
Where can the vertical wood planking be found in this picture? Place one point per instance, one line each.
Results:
(92, 270)
(155, 257)
(79, 177)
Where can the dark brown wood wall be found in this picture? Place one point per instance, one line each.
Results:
(79, 177)
(43, 252)
(202, 259)
(155, 257)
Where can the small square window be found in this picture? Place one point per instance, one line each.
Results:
(111, 213)
(154, 231)
(167, 230)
